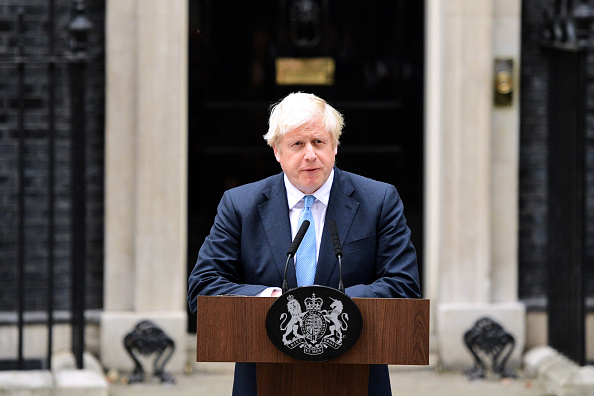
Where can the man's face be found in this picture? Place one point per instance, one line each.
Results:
(306, 155)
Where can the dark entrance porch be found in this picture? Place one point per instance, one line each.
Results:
(237, 53)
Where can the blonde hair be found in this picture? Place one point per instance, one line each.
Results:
(298, 109)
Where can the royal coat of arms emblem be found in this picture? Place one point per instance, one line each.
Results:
(323, 330)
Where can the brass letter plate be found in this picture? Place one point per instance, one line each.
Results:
(305, 71)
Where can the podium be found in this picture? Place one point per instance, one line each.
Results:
(233, 329)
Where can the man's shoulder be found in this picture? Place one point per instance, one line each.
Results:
(369, 193)
(359, 181)
(251, 190)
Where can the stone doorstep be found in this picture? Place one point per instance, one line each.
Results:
(44, 382)
(64, 379)
(37, 381)
(560, 375)
(80, 382)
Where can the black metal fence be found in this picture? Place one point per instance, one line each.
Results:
(40, 119)
(569, 44)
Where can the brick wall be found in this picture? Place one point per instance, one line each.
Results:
(35, 43)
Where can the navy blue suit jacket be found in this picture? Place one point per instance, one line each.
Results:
(247, 247)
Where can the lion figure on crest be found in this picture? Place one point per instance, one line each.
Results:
(296, 319)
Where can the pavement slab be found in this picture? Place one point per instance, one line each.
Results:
(405, 381)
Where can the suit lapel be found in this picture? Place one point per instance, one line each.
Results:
(341, 209)
(275, 219)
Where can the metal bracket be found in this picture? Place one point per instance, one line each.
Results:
(147, 339)
(489, 338)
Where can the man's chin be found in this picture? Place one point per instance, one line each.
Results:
(310, 188)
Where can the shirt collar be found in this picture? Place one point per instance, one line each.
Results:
(322, 194)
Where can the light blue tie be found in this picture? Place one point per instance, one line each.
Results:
(306, 254)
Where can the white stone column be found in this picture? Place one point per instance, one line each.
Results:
(505, 158)
(471, 177)
(146, 167)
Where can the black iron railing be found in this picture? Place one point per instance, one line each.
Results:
(569, 43)
(75, 60)
(79, 29)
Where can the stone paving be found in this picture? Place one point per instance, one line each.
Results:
(405, 381)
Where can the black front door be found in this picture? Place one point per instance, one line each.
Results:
(364, 58)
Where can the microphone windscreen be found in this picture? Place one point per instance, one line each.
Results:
(335, 238)
(297, 241)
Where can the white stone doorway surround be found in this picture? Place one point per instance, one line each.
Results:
(471, 151)
(145, 167)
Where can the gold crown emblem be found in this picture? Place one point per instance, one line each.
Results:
(313, 303)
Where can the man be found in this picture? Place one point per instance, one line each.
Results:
(246, 250)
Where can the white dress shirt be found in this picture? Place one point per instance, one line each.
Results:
(318, 210)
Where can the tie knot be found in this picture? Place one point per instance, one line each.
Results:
(309, 200)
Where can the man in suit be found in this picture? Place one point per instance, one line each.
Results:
(246, 250)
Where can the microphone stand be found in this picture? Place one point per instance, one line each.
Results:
(340, 284)
(285, 284)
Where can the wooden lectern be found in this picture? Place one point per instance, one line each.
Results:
(233, 329)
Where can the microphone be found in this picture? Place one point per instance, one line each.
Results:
(292, 249)
(337, 251)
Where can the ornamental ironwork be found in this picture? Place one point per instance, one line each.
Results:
(149, 339)
(488, 339)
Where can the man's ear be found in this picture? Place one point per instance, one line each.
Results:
(275, 152)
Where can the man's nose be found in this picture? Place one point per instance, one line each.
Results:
(310, 152)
